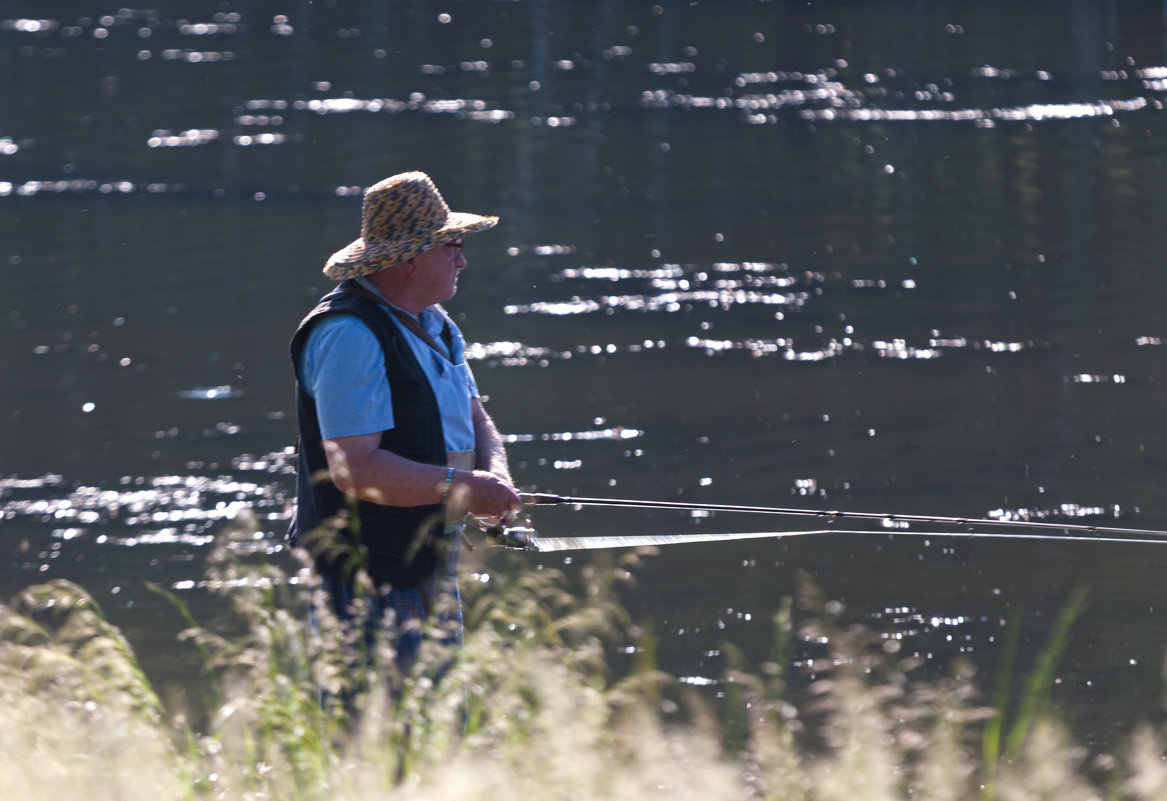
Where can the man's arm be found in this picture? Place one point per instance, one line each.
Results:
(489, 452)
(360, 467)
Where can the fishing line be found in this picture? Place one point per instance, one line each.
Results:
(1140, 534)
(526, 539)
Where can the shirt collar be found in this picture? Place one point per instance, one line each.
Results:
(430, 318)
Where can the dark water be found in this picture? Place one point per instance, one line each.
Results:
(890, 257)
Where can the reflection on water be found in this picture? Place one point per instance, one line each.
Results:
(684, 289)
(210, 393)
(175, 509)
(858, 256)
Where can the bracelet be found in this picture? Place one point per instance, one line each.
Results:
(446, 485)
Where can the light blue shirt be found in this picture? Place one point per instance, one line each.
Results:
(343, 369)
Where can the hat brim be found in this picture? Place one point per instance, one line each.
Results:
(365, 256)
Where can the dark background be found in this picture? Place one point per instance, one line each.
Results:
(890, 257)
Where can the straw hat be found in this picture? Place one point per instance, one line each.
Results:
(401, 217)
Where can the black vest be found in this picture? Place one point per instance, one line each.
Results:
(397, 545)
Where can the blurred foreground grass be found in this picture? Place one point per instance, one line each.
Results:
(528, 712)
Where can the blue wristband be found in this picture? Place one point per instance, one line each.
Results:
(446, 485)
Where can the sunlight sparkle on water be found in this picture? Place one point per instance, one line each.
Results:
(1070, 511)
(615, 433)
(210, 393)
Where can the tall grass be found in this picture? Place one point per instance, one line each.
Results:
(529, 711)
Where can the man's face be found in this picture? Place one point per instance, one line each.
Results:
(437, 273)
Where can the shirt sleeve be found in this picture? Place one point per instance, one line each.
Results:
(343, 369)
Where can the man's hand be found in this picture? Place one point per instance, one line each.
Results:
(485, 496)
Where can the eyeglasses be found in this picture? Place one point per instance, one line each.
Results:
(457, 243)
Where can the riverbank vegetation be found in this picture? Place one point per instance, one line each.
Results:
(530, 711)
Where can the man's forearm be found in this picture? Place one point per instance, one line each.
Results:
(359, 467)
(376, 475)
(489, 452)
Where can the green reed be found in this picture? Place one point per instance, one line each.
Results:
(1032, 706)
(529, 710)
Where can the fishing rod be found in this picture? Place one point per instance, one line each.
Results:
(525, 539)
(543, 498)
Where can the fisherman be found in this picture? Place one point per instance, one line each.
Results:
(395, 446)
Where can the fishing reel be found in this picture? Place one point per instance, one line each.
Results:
(516, 538)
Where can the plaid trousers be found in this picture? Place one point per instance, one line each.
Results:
(409, 614)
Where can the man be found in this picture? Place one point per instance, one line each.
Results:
(396, 448)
